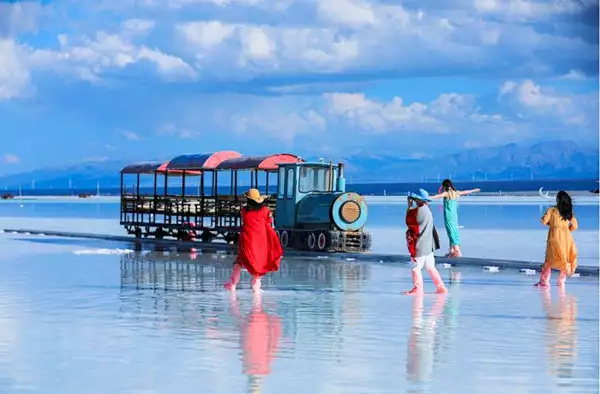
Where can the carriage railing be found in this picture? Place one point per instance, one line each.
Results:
(221, 211)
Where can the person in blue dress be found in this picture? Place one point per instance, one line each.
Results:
(451, 196)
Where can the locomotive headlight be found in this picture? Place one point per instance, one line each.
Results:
(349, 212)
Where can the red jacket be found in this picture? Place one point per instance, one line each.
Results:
(412, 233)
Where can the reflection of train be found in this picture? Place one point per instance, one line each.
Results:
(169, 290)
(158, 271)
(312, 209)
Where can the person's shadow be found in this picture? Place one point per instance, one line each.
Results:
(260, 333)
(561, 334)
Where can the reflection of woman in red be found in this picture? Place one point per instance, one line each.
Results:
(259, 339)
(259, 248)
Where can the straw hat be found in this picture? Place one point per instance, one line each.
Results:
(254, 195)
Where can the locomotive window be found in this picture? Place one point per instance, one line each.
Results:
(290, 183)
(281, 183)
(307, 179)
(314, 179)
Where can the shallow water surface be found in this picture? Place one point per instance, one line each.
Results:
(474, 216)
(497, 231)
(153, 323)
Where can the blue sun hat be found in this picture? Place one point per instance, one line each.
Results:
(421, 195)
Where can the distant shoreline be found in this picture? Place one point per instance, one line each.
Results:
(579, 197)
(400, 188)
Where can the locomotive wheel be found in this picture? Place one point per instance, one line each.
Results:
(312, 241)
(285, 238)
(321, 241)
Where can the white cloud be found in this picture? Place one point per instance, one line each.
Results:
(10, 158)
(381, 117)
(130, 135)
(349, 13)
(528, 9)
(279, 125)
(88, 58)
(353, 120)
(256, 45)
(530, 100)
(236, 51)
(14, 74)
(222, 3)
(355, 36)
(206, 34)
(138, 26)
(269, 119)
(574, 75)
(530, 95)
(234, 40)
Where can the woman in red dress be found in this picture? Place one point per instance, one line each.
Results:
(259, 248)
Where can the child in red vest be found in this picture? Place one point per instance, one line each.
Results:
(259, 247)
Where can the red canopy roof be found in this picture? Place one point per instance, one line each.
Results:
(267, 163)
(223, 160)
(201, 161)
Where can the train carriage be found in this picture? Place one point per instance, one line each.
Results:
(311, 208)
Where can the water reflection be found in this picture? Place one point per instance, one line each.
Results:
(561, 335)
(193, 272)
(422, 339)
(260, 333)
(309, 303)
(327, 325)
(163, 323)
(174, 271)
(431, 334)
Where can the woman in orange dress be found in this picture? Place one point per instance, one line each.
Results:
(561, 251)
(259, 247)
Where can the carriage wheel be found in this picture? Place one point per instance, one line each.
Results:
(321, 241)
(312, 241)
(285, 238)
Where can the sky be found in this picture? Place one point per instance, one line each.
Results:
(143, 79)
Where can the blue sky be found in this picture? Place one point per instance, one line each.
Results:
(124, 79)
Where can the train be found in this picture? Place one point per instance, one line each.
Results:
(311, 208)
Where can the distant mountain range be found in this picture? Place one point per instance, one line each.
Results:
(548, 160)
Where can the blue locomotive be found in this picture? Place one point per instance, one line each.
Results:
(314, 211)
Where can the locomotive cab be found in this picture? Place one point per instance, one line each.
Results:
(314, 211)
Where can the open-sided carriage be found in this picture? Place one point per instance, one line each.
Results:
(201, 196)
